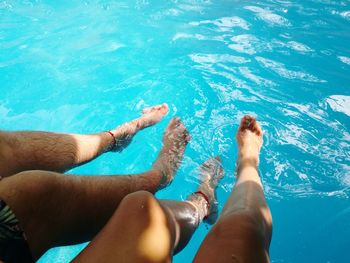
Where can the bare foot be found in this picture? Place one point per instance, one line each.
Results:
(123, 134)
(249, 138)
(153, 115)
(204, 199)
(175, 139)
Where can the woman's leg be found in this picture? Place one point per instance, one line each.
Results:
(144, 229)
(20, 151)
(55, 209)
(244, 229)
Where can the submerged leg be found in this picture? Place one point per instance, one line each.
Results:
(32, 150)
(62, 209)
(243, 231)
(144, 229)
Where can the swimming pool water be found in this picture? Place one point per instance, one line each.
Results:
(86, 66)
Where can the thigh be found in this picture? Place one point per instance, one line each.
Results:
(55, 209)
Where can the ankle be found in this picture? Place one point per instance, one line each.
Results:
(126, 129)
(164, 180)
(108, 140)
(247, 161)
(149, 181)
(249, 152)
(201, 205)
(111, 140)
(136, 124)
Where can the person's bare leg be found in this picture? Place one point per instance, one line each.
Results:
(144, 229)
(55, 209)
(32, 150)
(243, 230)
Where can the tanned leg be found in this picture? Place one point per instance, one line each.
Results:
(31, 150)
(243, 231)
(144, 229)
(55, 209)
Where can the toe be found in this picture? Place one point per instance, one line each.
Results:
(258, 129)
(146, 110)
(174, 123)
(163, 108)
(249, 123)
(244, 123)
(160, 107)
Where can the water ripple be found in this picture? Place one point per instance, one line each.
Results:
(268, 16)
(297, 46)
(339, 103)
(216, 58)
(344, 14)
(246, 43)
(344, 59)
(82, 66)
(281, 70)
(225, 23)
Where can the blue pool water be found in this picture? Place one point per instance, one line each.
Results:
(87, 66)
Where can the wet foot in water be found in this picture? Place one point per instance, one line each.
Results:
(249, 139)
(175, 139)
(205, 198)
(123, 134)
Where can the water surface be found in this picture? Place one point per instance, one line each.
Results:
(75, 66)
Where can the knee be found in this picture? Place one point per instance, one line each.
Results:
(7, 157)
(142, 209)
(28, 184)
(136, 203)
(148, 224)
(139, 196)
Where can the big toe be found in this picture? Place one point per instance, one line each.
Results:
(177, 125)
(174, 123)
(249, 123)
(162, 109)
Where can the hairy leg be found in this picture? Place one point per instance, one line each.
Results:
(31, 150)
(243, 231)
(63, 209)
(154, 229)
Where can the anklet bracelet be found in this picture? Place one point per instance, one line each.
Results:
(205, 198)
(114, 140)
